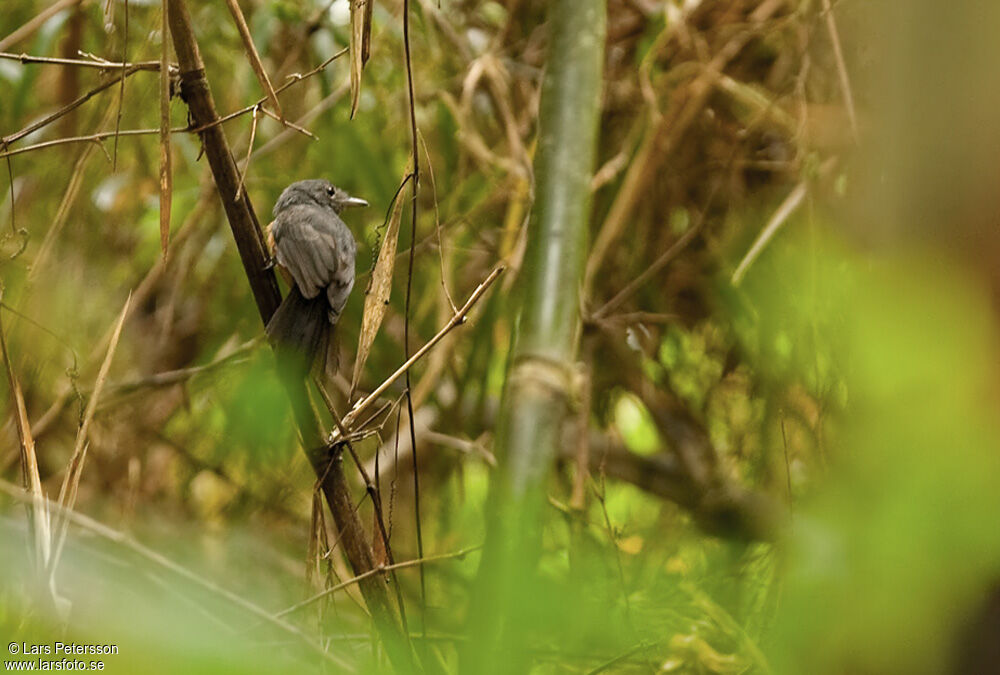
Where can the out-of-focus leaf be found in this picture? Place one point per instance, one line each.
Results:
(896, 548)
(636, 425)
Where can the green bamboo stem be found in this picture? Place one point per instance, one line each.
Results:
(540, 380)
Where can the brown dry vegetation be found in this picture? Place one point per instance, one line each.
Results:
(697, 415)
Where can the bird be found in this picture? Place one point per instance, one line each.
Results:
(315, 252)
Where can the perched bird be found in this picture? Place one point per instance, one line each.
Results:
(315, 251)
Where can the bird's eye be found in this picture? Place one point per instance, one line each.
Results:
(331, 191)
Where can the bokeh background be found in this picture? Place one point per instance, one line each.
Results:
(787, 394)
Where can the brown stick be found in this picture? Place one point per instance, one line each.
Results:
(66, 109)
(146, 132)
(129, 70)
(457, 319)
(845, 79)
(166, 168)
(82, 63)
(246, 231)
(381, 568)
(253, 56)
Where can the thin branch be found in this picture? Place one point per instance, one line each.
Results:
(662, 261)
(290, 125)
(52, 117)
(326, 464)
(91, 138)
(371, 490)
(789, 206)
(170, 377)
(251, 51)
(69, 197)
(85, 63)
(246, 162)
(414, 190)
(67, 493)
(456, 320)
(601, 495)
(121, 93)
(298, 77)
(845, 79)
(316, 111)
(10, 177)
(166, 169)
(437, 225)
(378, 570)
(293, 79)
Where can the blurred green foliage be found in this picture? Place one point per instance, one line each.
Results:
(850, 381)
(886, 560)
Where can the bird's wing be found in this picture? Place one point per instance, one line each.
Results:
(307, 246)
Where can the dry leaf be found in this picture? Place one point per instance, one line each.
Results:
(379, 286)
(361, 30)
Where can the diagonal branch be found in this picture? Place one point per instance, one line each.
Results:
(249, 241)
(251, 50)
(69, 107)
(457, 319)
(381, 568)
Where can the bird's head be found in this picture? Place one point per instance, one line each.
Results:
(316, 192)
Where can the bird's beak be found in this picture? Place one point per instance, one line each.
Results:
(353, 201)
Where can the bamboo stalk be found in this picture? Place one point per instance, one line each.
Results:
(542, 371)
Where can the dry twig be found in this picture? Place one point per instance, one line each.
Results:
(456, 320)
(166, 171)
(67, 493)
(251, 51)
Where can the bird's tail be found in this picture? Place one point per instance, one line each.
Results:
(300, 331)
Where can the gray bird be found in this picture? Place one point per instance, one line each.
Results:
(315, 251)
